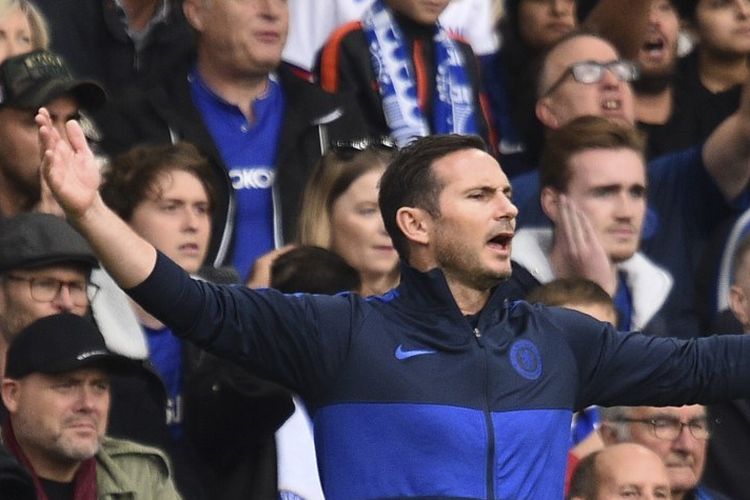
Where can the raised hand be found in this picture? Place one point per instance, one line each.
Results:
(260, 276)
(581, 252)
(68, 167)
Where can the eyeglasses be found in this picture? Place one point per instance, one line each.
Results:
(347, 149)
(46, 289)
(670, 428)
(593, 72)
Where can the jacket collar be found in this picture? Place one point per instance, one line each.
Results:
(649, 283)
(429, 291)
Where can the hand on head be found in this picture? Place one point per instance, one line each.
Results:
(584, 254)
(69, 168)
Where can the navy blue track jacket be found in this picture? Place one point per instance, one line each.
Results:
(409, 400)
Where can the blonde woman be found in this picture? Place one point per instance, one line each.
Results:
(340, 211)
(22, 28)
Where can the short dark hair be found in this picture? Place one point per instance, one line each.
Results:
(131, 177)
(585, 480)
(310, 269)
(580, 134)
(576, 291)
(409, 180)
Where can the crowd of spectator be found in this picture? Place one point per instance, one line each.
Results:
(246, 141)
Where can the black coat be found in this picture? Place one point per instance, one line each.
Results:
(165, 113)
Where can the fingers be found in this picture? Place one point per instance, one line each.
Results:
(48, 204)
(570, 218)
(77, 138)
(260, 276)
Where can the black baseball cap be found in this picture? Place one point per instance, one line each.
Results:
(61, 343)
(34, 239)
(31, 80)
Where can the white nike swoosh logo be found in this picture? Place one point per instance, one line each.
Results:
(402, 354)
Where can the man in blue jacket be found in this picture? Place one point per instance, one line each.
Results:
(439, 388)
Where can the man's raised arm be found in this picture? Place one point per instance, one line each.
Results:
(73, 176)
(726, 153)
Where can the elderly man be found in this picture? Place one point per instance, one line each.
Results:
(620, 471)
(261, 126)
(56, 390)
(679, 435)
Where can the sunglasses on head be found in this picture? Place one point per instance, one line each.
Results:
(347, 149)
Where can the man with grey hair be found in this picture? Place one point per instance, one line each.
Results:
(679, 435)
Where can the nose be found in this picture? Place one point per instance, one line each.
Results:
(743, 8)
(506, 209)
(88, 398)
(609, 80)
(190, 219)
(625, 207)
(653, 14)
(560, 7)
(685, 442)
(64, 300)
(272, 8)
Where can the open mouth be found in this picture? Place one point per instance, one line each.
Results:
(611, 104)
(654, 48)
(501, 241)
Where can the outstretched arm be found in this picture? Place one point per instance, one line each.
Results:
(726, 153)
(73, 177)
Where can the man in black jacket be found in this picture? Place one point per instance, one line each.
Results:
(260, 124)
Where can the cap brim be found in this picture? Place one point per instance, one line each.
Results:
(89, 95)
(111, 363)
(87, 260)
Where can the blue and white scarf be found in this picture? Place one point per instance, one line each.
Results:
(453, 102)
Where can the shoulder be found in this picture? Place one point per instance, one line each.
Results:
(133, 458)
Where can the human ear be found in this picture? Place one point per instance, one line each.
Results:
(194, 13)
(550, 200)
(545, 114)
(415, 224)
(10, 394)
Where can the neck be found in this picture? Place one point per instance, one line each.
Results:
(139, 12)
(12, 202)
(654, 108)
(470, 299)
(720, 72)
(240, 90)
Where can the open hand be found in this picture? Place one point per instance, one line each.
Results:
(69, 169)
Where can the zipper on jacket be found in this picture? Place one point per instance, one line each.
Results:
(490, 472)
